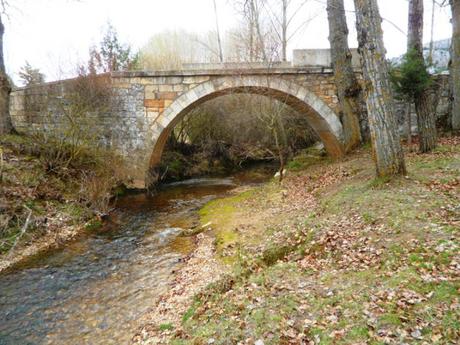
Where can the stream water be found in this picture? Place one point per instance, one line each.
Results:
(95, 289)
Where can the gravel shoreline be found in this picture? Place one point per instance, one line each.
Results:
(200, 269)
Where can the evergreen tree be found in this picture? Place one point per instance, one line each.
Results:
(111, 55)
(31, 76)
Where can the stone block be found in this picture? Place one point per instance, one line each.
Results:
(122, 85)
(154, 103)
(145, 81)
(174, 80)
(195, 79)
(165, 88)
(180, 87)
(166, 95)
(157, 80)
(152, 115)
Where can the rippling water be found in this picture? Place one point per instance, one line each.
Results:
(94, 290)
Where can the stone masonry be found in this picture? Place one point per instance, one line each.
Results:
(148, 105)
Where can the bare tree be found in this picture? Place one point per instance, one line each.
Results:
(426, 121)
(348, 88)
(219, 42)
(5, 87)
(251, 11)
(455, 63)
(284, 27)
(282, 20)
(386, 146)
(254, 12)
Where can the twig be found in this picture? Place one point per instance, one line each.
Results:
(23, 230)
(164, 174)
(1, 165)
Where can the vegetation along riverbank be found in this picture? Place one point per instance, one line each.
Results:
(332, 255)
(50, 194)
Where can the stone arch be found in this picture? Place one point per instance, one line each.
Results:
(321, 117)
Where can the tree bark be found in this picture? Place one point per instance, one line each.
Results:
(5, 89)
(426, 119)
(409, 125)
(430, 56)
(348, 89)
(386, 145)
(455, 65)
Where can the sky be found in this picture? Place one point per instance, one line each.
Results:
(55, 35)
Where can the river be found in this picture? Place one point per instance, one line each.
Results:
(95, 289)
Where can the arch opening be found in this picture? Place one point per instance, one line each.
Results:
(319, 115)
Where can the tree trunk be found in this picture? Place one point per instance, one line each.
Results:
(256, 16)
(219, 42)
(426, 119)
(386, 145)
(430, 56)
(455, 66)
(409, 125)
(284, 26)
(348, 89)
(5, 89)
(251, 40)
(426, 122)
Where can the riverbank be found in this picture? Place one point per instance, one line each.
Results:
(330, 256)
(40, 210)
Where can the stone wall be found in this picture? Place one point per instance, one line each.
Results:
(440, 94)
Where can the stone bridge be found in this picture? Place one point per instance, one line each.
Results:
(149, 104)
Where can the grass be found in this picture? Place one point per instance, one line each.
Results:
(302, 275)
(306, 159)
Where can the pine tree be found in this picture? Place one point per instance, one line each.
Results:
(31, 76)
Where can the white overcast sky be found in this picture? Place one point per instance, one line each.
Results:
(54, 35)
